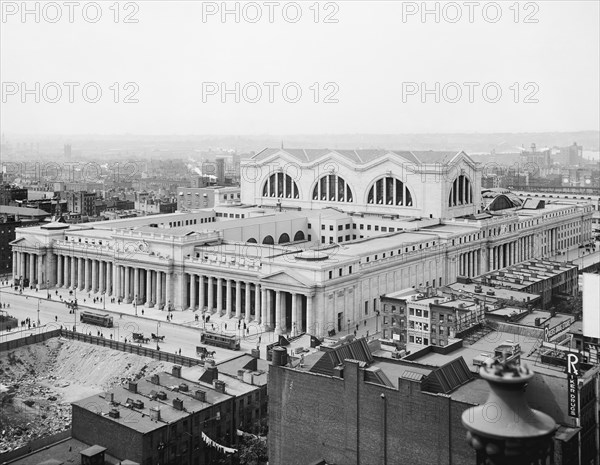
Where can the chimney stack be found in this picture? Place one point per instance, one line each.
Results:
(132, 387)
(178, 404)
(176, 371)
(219, 386)
(154, 413)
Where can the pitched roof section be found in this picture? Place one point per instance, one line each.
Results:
(332, 357)
(448, 377)
(362, 156)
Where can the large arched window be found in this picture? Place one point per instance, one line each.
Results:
(268, 240)
(390, 191)
(461, 192)
(332, 188)
(299, 236)
(284, 238)
(280, 185)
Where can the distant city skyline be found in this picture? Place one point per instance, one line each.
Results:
(373, 61)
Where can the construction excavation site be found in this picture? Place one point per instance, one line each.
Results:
(38, 382)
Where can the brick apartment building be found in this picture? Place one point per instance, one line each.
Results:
(355, 403)
(170, 419)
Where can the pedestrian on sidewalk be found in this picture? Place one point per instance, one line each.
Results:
(142, 312)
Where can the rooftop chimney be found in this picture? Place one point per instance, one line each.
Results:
(154, 413)
(219, 386)
(210, 374)
(132, 387)
(200, 395)
(178, 404)
(176, 371)
(279, 356)
(155, 379)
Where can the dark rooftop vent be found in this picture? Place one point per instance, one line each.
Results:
(113, 413)
(183, 387)
(162, 395)
(138, 404)
(177, 404)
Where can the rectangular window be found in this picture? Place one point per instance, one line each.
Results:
(322, 239)
(331, 227)
(376, 228)
(340, 271)
(383, 229)
(418, 312)
(366, 307)
(323, 227)
(309, 226)
(331, 275)
(349, 270)
(348, 226)
(362, 226)
(426, 313)
(309, 238)
(348, 237)
(340, 227)
(340, 239)
(368, 227)
(411, 311)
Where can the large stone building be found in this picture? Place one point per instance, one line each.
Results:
(318, 238)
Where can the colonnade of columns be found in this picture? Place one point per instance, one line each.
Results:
(30, 266)
(470, 264)
(282, 311)
(511, 253)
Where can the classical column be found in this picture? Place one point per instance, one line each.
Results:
(219, 295)
(23, 270)
(127, 283)
(211, 294)
(228, 299)
(109, 279)
(159, 289)
(248, 301)
(101, 276)
(295, 327)
(263, 307)
(310, 328)
(94, 265)
(192, 291)
(31, 272)
(40, 271)
(60, 274)
(117, 281)
(148, 288)
(136, 285)
(87, 274)
(238, 299)
(168, 290)
(15, 265)
(277, 312)
(74, 265)
(201, 292)
(257, 306)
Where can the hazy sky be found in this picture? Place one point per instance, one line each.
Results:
(374, 61)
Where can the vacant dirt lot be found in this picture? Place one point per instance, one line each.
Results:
(38, 383)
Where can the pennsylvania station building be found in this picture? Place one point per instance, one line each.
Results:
(317, 238)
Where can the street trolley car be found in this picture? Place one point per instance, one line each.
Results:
(220, 340)
(96, 319)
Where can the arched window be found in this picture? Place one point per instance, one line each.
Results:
(332, 188)
(268, 240)
(461, 192)
(390, 191)
(281, 185)
(299, 236)
(251, 241)
(284, 238)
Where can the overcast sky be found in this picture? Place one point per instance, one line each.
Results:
(369, 66)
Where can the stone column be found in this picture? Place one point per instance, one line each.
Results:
(109, 279)
(201, 292)
(159, 289)
(295, 327)
(148, 288)
(192, 291)
(60, 274)
(40, 272)
(211, 294)
(127, 284)
(277, 312)
(117, 281)
(15, 265)
(238, 299)
(257, 306)
(136, 285)
(31, 271)
(228, 300)
(101, 277)
(310, 326)
(87, 275)
(248, 296)
(168, 290)
(74, 270)
(219, 295)
(263, 307)
(94, 266)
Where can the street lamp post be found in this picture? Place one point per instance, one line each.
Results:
(510, 432)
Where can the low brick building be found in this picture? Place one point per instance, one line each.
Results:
(170, 419)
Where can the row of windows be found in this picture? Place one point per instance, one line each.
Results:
(230, 215)
(174, 224)
(333, 188)
(340, 272)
